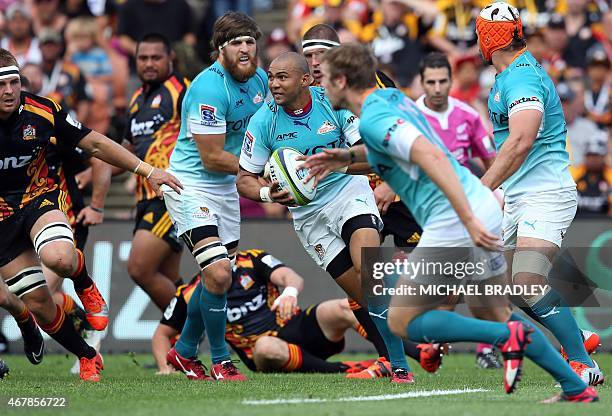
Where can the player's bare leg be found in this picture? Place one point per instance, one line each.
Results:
(154, 266)
(53, 241)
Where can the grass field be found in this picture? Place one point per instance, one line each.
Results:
(129, 389)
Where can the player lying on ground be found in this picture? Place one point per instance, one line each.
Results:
(215, 113)
(267, 329)
(451, 204)
(397, 220)
(343, 217)
(35, 229)
(532, 164)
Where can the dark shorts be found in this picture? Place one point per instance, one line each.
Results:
(15, 230)
(304, 331)
(151, 215)
(400, 223)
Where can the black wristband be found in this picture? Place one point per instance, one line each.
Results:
(98, 210)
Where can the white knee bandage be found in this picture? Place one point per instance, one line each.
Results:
(26, 281)
(532, 262)
(210, 253)
(55, 231)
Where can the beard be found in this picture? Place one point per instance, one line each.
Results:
(241, 73)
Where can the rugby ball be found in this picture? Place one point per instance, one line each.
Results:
(284, 170)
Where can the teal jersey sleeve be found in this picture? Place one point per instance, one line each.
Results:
(527, 92)
(208, 105)
(350, 127)
(256, 150)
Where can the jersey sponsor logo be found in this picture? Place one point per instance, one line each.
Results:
(247, 144)
(326, 127)
(271, 261)
(524, 100)
(208, 115)
(246, 281)
(238, 125)
(333, 144)
(216, 71)
(258, 98)
(29, 132)
(498, 118)
(73, 122)
(45, 203)
(351, 119)
(235, 314)
(390, 131)
(170, 308)
(302, 123)
(142, 128)
(156, 101)
(14, 162)
(461, 128)
(286, 136)
(320, 251)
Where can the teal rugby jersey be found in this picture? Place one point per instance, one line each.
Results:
(525, 85)
(390, 123)
(215, 103)
(317, 128)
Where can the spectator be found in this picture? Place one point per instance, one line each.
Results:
(47, 15)
(466, 85)
(536, 43)
(77, 8)
(34, 74)
(598, 89)
(454, 31)
(536, 13)
(331, 12)
(555, 36)
(398, 36)
(594, 181)
(222, 6)
(19, 40)
(605, 36)
(95, 65)
(580, 25)
(171, 18)
(62, 80)
(579, 128)
(277, 43)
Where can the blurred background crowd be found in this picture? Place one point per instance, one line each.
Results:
(80, 52)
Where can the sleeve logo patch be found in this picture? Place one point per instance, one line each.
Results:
(208, 115)
(271, 261)
(73, 122)
(247, 144)
(326, 127)
(524, 100)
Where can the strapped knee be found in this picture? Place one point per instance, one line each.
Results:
(52, 232)
(26, 281)
(532, 262)
(210, 253)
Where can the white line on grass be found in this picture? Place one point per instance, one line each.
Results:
(408, 395)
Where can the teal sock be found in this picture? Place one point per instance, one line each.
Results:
(394, 344)
(191, 335)
(541, 351)
(555, 315)
(213, 308)
(445, 326)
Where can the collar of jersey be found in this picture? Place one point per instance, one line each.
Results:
(305, 111)
(514, 58)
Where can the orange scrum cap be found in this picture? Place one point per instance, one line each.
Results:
(497, 26)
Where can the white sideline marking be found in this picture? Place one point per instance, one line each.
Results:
(408, 395)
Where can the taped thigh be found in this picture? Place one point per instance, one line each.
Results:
(26, 281)
(52, 232)
(532, 262)
(210, 253)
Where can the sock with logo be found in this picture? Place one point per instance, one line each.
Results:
(62, 330)
(541, 351)
(214, 313)
(555, 315)
(80, 278)
(303, 362)
(393, 343)
(189, 340)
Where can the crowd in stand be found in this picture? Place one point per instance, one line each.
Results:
(80, 52)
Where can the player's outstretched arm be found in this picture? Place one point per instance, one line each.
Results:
(103, 148)
(329, 160)
(436, 165)
(213, 155)
(160, 345)
(524, 126)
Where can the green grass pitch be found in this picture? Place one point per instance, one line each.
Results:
(129, 389)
